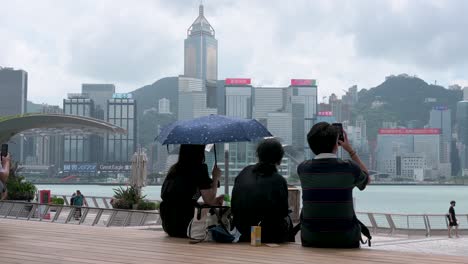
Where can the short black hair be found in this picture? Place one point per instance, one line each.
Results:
(322, 138)
(270, 151)
(452, 202)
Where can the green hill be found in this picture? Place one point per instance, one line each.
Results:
(147, 98)
(402, 99)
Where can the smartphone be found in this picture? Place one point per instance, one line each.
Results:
(340, 129)
(4, 151)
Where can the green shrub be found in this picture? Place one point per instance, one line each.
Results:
(129, 194)
(57, 200)
(148, 205)
(18, 188)
(121, 204)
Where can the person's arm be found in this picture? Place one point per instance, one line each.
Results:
(353, 154)
(5, 172)
(209, 195)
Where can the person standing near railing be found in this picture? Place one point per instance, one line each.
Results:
(4, 173)
(78, 202)
(453, 222)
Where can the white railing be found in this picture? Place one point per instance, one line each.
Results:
(66, 214)
(410, 224)
(94, 201)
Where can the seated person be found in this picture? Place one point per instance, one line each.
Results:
(4, 173)
(186, 181)
(328, 218)
(260, 195)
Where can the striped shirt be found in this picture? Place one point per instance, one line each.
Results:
(328, 217)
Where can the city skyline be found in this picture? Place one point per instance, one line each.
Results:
(78, 48)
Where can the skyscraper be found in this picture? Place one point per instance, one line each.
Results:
(123, 113)
(462, 132)
(440, 117)
(192, 99)
(238, 103)
(13, 101)
(201, 50)
(304, 110)
(100, 93)
(77, 149)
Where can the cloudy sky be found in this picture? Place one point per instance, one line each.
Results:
(62, 44)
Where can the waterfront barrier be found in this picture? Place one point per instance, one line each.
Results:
(411, 224)
(67, 214)
(378, 223)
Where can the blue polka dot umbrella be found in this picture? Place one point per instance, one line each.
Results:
(212, 129)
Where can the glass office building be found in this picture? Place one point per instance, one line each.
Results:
(123, 113)
(77, 149)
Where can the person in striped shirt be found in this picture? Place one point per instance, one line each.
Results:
(328, 218)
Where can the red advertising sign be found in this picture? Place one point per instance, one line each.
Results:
(237, 81)
(302, 82)
(325, 113)
(407, 131)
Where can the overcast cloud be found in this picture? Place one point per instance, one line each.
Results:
(133, 43)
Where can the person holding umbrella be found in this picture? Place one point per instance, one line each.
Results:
(186, 182)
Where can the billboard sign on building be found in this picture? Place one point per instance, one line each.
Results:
(122, 96)
(115, 167)
(80, 167)
(303, 82)
(407, 131)
(237, 81)
(325, 113)
(440, 108)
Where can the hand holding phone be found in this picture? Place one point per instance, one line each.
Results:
(339, 126)
(4, 150)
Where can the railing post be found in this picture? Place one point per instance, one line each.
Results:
(95, 202)
(143, 219)
(70, 215)
(57, 213)
(111, 218)
(9, 210)
(407, 224)
(65, 199)
(33, 210)
(390, 223)
(83, 216)
(428, 225)
(41, 215)
(98, 216)
(373, 222)
(127, 219)
(104, 199)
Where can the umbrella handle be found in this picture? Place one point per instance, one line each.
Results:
(216, 158)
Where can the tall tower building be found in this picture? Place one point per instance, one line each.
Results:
(440, 117)
(201, 50)
(304, 110)
(13, 101)
(462, 132)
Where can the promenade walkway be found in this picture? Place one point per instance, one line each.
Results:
(37, 242)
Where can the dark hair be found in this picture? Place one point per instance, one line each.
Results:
(189, 156)
(269, 153)
(322, 138)
(452, 202)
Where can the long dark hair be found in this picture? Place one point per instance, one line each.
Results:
(269, 153)
(189, 156)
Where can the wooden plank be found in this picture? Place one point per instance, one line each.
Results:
(84, 244)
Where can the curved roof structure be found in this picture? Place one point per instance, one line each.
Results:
(54, 124)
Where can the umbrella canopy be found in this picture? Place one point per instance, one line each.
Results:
(139, 163)
(212, 129)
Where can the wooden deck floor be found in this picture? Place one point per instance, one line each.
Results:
(35, 242)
